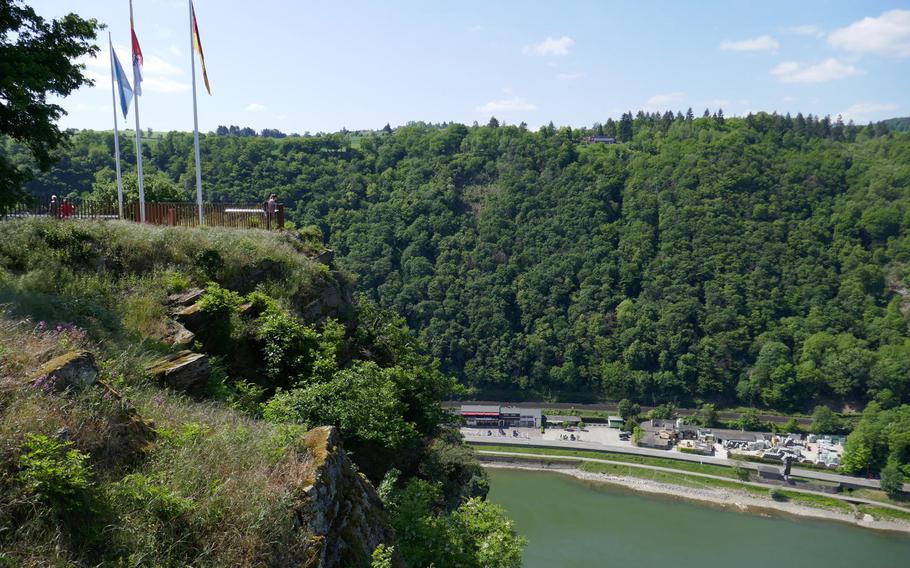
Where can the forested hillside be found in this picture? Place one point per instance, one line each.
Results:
(760, 261)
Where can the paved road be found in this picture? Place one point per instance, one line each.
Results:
(612, 407)
(846, 480)
(704, 475)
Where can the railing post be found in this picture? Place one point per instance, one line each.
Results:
(280, 217)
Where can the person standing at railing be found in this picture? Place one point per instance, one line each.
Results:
(271, 211)
(53, 208)
(67, 209)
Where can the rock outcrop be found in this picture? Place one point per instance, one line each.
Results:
(184, 371)
(75, 370)
(177, 335)
(185, 298)
(329, 299)
(342, 513)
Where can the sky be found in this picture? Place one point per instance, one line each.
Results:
(308, 66)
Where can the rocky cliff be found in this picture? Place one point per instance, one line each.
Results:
(343, 513)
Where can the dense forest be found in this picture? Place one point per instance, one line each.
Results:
(760, 261)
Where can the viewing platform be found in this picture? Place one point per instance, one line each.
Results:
(170, 214)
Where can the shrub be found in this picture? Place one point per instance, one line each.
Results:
(777, 494)
(750, 420)
(220, 305)
(663, 412)
(55, 472)
(742, 473)
(290, 348)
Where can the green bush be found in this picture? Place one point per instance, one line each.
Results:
(54, 471)
(220, 305)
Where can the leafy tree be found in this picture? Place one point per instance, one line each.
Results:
(892, 480)
(754, 263)
(628, 409)
(825, 421)
(707, 415)
(37, 59)
(750, 420)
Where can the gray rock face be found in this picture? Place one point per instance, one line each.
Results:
(343, 513)
(176, 334)
(185, 371)
(192, 317)
(75, 370)
(326, 257)
(185, 298)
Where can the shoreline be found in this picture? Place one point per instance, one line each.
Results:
(727, 499)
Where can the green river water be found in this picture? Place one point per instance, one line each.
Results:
(574, 523)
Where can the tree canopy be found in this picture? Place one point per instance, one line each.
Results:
(759, 260)
(38, 58)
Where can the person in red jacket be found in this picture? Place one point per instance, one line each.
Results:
(67, 209)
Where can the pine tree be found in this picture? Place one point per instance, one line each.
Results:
(625, 127)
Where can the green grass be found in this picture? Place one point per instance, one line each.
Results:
(877, 495)
(110, 279)
(817, 501)
(882, 513)
(208, 487)
(687, 466)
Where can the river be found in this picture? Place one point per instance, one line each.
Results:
(569, 522)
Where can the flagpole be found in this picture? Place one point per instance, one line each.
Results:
(116, 135)
(195, 117)
(138, 138)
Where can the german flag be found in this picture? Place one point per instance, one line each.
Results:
(197, 44)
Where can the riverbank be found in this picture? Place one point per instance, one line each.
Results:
(726, 498)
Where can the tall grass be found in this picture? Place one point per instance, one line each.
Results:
(214, 487)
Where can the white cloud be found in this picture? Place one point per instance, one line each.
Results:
(888, 34)
(718, 103)
(760, 43)
(164, 85)
(95, 76)
(515, 104)
(789, 99)
(862, 112)
(805, 30)
(174, 51)
(666, 98)
(569, 76)
(255, 107)
(474, 29)
(92, 62)
(828, 70)
(164, 31)
(556, 47)
(154, 65)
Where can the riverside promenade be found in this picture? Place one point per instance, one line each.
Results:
(845, 480)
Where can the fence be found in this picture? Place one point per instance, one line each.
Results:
(172, 214)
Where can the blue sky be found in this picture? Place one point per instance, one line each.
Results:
(320, 66)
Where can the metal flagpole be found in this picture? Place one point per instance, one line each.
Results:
(138, 141)
(116, 135)
(195, 117)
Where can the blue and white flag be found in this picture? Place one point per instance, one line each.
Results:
(123, 85)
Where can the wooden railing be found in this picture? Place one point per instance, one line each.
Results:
(173, 214)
